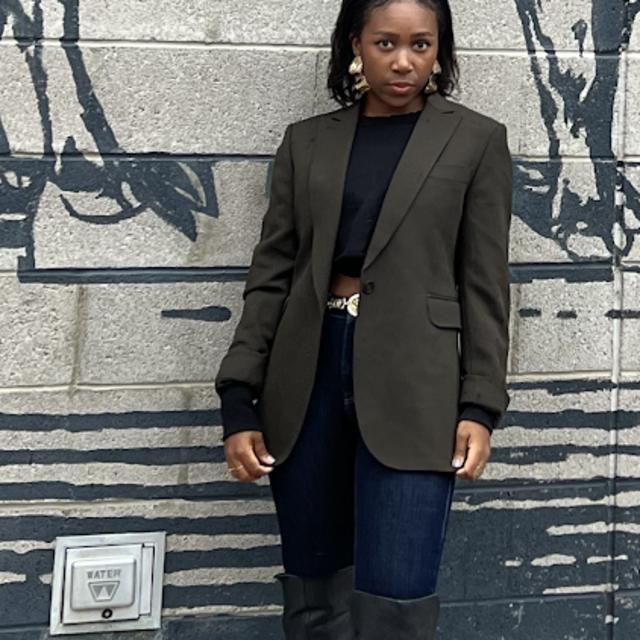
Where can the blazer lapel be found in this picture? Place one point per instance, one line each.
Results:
(332, 148)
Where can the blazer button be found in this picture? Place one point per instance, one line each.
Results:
(368, 287)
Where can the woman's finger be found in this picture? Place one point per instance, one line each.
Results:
(260, 449)
(252, 463)
(460, 452)
(475, 464)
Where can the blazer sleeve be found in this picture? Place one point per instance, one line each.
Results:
(268, 281)
(482, 265)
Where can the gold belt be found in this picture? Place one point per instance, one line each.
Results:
(350, 303)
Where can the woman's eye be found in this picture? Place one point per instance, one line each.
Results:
(419, 42)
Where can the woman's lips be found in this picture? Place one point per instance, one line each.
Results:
(400, 88)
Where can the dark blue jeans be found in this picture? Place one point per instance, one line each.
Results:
(337, 505)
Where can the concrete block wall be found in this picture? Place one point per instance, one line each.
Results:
(136, 139)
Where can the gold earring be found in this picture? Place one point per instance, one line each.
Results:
(355, 68)
(431, 86)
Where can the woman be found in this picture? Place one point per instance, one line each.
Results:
(374, 332)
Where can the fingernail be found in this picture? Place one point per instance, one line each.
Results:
(270, 459)
(457, 461)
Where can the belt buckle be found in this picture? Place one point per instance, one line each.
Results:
(352, 304)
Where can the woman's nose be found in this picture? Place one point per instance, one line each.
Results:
(402, 62)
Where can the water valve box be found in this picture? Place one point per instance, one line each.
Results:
(103, 583)
(107, 583)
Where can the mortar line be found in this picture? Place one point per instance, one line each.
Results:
(617, 327)
(587, 53)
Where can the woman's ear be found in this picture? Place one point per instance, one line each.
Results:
(355, 46)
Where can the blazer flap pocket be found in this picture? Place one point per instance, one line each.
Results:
(444, 312)
(459, 172)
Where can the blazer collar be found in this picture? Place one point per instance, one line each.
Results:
(432, 131)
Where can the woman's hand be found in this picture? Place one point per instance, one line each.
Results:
(473, 441)
(247, 456)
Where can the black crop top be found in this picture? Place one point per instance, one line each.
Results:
(377, 147)
(378, 144)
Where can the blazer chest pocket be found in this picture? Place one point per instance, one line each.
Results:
(456, 172)
(444, 312)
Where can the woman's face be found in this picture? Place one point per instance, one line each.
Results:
(399, 43)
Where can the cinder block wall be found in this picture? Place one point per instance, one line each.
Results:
(135, 144)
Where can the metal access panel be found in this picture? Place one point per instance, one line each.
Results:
(110, 582)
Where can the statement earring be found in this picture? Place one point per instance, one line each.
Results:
(431, 86)
(355, 69)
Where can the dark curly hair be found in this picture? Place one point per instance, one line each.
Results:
(349, 24)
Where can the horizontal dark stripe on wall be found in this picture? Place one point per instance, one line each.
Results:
(86, 422)
(166, 456)
(582, 272)
(224, 557)
(221, 489)
(572, 272)
(43, 527)
(80, 422)
(34, 491)
(565, 386)
(46, 528)
(152, 275)
(243, 594)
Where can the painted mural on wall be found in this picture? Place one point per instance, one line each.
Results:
(576, 104)
(541, 520)
(122, 187)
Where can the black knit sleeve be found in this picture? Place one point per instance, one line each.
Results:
(237, 409)
(478, 413)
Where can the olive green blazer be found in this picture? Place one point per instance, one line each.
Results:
(433, 324)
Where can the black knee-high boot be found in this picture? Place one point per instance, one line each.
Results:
(317, 608)
(377, 617)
